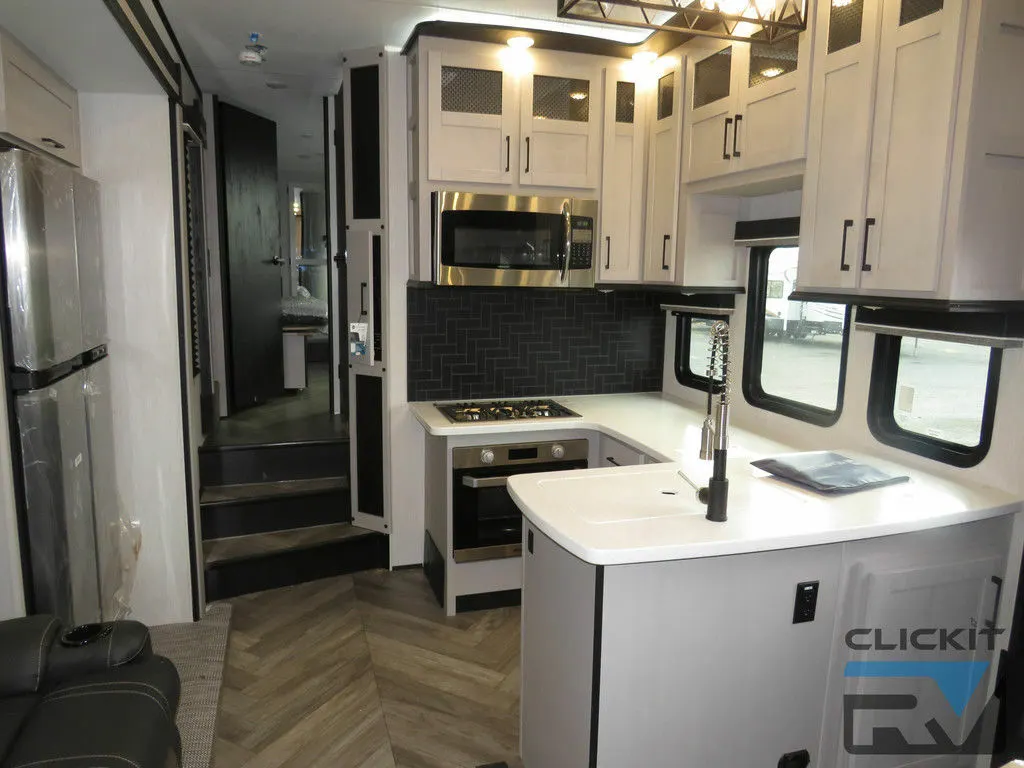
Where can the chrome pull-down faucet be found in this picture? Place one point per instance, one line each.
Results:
(714, 437)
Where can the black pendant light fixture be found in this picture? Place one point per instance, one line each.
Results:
(763, 21)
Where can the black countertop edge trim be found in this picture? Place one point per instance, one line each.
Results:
(660, 42)
(902, 302)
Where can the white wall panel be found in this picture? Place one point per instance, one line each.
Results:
(126, 147)
(12, 595)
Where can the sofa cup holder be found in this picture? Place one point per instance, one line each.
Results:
(84, 634)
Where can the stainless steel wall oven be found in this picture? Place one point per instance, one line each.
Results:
(486, 523)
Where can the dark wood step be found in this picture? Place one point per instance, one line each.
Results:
(244, 564)
(248, 464)
(239, 510)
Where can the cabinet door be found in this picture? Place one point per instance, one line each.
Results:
(615, 454)
(623, 181)
(663, 178)
(561, 135)
(364, 94)
(835, 182)
(471, 105)
(918, 65)
(773, 94)
(364, 299)
(710, 116)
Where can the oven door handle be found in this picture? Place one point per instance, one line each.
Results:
(484, 482)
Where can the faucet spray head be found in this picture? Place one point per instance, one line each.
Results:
(707, 439)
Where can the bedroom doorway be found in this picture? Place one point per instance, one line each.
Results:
(275, 288)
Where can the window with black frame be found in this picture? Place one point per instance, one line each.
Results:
(934, 397)
(795, 357)
(693, 348)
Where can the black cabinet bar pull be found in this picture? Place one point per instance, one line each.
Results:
(527, 154)
(843, 266)
(736, 136)
(508, 153)
(362, 298)
(664, 246)
(612, 461)
(52, 143)
(995, 608)
(725, 139)
(868, 224)
(608, 256)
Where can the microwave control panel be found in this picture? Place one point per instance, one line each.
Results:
(581, 252)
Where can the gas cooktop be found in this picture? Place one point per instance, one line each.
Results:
(505, 410)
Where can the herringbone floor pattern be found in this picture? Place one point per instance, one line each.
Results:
(366, 670)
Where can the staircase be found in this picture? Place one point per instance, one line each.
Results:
(278, 514)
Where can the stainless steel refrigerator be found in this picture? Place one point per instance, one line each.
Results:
(58, 379)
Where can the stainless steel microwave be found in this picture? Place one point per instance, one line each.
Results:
(505, 240)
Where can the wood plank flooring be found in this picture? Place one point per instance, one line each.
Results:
(366, 670)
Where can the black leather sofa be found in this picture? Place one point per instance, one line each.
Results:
(110, 703)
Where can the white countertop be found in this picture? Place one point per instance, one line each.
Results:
(648, 513)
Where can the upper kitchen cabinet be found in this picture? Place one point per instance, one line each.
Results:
(663, 175)
(560, 142)
(37, 108)
(471, 112)
(624, 179)
(493, 118)
(748, 105)
(916, 151)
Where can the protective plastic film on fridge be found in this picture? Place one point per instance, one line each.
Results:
(57, 376)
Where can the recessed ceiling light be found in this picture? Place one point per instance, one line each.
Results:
(772, 72)
(520, 42)
(645, 57)
(577, 95)
(841, 3)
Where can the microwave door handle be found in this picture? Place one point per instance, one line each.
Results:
(484, 482)
(567, 213)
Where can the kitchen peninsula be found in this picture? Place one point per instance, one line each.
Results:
(645, 626)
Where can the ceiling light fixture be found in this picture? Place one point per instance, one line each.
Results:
(577, 96)
(841, 3)
(763, 21)
(645, 57)
(520, 42)
(772, 72)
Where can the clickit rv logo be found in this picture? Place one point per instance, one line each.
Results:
(897, 722)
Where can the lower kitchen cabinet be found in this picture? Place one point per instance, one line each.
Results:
(725, 660)
(615, 454)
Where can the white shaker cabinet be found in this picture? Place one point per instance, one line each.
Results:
(560, 139)
(747, 105)
(624, 176)
(663, 176)
(472, 109)
(916, 150)
(490, 124)
(36, 106)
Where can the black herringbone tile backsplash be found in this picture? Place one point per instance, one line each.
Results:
(473, 343)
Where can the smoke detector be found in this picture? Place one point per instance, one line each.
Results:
(254, 54)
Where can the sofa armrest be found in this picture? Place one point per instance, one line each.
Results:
(127, 642)
(25, 646)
